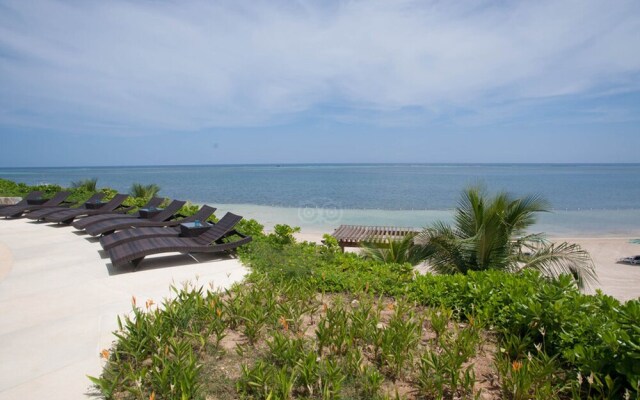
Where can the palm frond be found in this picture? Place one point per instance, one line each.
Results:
(554, 260)
(444, 250)
(393, 251)
(89, 185)
(144, 191)
(470, 211)
(520, 213)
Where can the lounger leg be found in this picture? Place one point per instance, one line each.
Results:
(137, 261)
(194, 257)
(68, 221)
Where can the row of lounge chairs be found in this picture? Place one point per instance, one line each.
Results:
(129, 238)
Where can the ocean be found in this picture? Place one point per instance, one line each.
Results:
(586, 199)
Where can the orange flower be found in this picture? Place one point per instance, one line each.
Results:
(149, 303)
(133, 300)
(516, 365)
(153, 396)
(284, 323)
(219, 312)
(390, 306)
(324, 307)
(104, 354)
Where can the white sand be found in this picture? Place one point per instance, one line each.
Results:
(618, 280)
(59, 300)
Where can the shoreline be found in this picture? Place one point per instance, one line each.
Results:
(563, 224)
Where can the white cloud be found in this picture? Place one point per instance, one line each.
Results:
(125, 66)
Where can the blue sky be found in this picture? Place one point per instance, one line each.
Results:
(205, 82)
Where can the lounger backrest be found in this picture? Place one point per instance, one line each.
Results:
(114, 203)
(202, 215)
(224, 226)
(92, 199)
(154, 202)
(36, 194)
(168, 211)
(57, 199)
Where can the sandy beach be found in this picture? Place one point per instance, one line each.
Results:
(621, 281)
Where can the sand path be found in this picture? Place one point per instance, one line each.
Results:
(59, 300)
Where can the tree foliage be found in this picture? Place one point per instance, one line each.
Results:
(491, 233)
(144, 191)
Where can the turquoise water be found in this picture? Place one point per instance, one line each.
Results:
(586, 198)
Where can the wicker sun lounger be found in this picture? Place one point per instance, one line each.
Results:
(40, 214)
(17, 210)
(160, 219)
(86, 221)
(67, 216)
(36, 194)
(210, 241)
(127, 235)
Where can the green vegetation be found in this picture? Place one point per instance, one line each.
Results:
(89, 185)
(144, 191)
(311, 322)
(395, 251)
(490, 234)
(78, 194)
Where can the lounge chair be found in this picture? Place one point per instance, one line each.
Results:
(42, 213)
(160, 219)
(17, 210)
(86, 221)
(67, 216)
(36, 194)
(127, 235)
(210, 241)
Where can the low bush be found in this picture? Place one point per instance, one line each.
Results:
(594, 335)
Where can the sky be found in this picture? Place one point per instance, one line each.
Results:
(159, 82)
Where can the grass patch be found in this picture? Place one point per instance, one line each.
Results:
(301, 344)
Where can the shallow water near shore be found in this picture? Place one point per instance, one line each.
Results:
(582, 223)
(586, 199)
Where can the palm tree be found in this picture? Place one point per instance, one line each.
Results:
(490, 233)
(144, 191)
(394, 251)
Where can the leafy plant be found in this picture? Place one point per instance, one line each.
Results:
(531, 377)
(89, 185)
(490, 233)
(398, 251)
(144, 191)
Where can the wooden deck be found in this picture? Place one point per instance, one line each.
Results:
(356, 235)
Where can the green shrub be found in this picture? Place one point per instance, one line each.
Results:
(591, 334)
(144, 191)
(89, 185)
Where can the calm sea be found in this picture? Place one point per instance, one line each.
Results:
(586, 198)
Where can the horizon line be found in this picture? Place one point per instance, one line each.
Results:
(275, 164)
